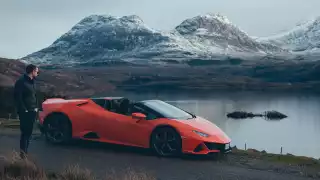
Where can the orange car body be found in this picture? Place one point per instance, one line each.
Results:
(87, 116)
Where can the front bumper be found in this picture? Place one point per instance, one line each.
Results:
(202, 147)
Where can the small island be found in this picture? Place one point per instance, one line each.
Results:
(271, 115)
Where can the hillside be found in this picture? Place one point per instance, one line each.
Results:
(128, 38)
(195, 77)
(48, 84)
(49, 80)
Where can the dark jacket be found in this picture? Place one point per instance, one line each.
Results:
(25, 94)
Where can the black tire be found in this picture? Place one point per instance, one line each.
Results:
(57, 129)
(166, 142)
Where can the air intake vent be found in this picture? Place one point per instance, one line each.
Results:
(81, 104)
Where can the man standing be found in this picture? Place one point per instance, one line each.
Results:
(26, 105)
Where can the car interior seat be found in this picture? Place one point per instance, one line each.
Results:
(124, 106)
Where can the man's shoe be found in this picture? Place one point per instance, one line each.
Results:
(23, 155)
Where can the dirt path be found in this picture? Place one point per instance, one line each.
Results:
(102, 158)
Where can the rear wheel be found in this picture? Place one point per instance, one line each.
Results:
(57, 129)
(166, 142)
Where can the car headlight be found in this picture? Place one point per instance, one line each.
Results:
(201, 133)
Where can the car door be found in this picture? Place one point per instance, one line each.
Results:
(100, 120)
(133, 132)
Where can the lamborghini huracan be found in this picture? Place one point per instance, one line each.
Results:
(155, 124)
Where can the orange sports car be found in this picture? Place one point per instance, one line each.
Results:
(154, 124)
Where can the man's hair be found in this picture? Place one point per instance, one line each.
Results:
(30, 68)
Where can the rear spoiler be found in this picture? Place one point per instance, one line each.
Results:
(82, 103)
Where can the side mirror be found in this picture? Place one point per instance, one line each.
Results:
(138, 116)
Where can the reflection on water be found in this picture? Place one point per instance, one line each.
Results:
(298, 134)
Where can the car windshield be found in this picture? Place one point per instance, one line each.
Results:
(168, 110)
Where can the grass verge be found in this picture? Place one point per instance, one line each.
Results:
(281, 163)
(12, 123)
(280, 158)
(14, 168)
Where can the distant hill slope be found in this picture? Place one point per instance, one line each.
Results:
(49, 83)
(193, 78)
(50, 80)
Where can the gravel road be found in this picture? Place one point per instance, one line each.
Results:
(102, 158)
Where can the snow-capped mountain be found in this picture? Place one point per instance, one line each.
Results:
(103, 37)
(305, 37)
(216, 32)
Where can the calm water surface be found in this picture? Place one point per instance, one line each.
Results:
(298, 134)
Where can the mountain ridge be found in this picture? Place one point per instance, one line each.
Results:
(106, 37)
(304, 37)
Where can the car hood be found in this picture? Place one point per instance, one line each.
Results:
(205, 126)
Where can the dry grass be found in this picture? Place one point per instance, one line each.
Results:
(129, 174)
(14, 168)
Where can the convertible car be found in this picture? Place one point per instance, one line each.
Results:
(155, 124)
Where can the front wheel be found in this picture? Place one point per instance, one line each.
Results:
(57, 129)
(166, 142)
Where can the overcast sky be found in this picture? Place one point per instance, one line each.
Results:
(30, 25)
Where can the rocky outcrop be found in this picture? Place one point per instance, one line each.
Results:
(272, 115)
